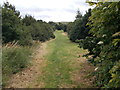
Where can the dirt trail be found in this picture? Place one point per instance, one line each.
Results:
(81, 77)
(27, 77)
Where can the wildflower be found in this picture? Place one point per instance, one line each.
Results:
(96, 68)
(104, 35)
(104, 8)
(100, 42)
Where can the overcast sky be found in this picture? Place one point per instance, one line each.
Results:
(50, 10)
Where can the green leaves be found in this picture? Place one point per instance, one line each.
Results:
(116, 41)
(115, 74)
(104, 42)
(78, 29)
(10, 24)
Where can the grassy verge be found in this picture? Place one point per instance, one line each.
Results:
(61, 63)
(14, 59)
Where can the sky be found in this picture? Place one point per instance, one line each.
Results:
(50, 10)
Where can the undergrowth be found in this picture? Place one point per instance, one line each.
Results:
(14, 59)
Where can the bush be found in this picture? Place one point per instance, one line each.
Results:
(104, 44)
(25, 37)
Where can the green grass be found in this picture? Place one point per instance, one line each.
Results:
(60, 62)
(14, 59)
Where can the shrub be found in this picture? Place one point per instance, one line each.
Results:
(104, 43)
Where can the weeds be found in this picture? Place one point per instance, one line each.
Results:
(14, 59)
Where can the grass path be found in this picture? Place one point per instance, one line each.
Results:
(64, 64)
(56, 64)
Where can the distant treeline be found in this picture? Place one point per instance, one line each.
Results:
(24, 30)
(59, 25)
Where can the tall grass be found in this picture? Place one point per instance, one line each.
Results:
(14, 59)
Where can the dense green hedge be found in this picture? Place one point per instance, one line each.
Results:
(104, 43)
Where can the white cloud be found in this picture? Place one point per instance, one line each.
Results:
(50, 10)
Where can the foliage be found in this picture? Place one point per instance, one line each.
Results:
(78, 29)
(62, 26)
(79, 15)
(14, 59)
(39, 30)
(53, 24)
(58, 25)
(75, 32)
(10, 23)
(103, 44)
(25, 36)
(28, 20)
(69, 28)
(24, 29)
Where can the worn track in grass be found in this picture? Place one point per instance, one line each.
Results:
(57, 63)
(27, 77)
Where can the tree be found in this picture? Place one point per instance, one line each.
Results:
(10, 23)
(69, 28)
(75, 32)
(25, 36)
(28, 20)
(41, 31)
(80, 30)
(79, 15)
(23, 30)
(53, 24)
